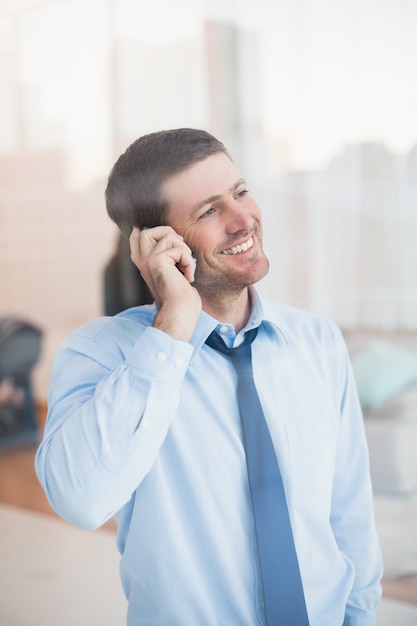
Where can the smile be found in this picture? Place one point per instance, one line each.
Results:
(241, 248)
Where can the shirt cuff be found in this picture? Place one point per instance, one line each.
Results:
(158, 354)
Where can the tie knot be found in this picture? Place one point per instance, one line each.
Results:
(215, 341)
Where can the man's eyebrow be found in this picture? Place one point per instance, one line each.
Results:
(212, 199)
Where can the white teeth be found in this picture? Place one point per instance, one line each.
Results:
(242, 248)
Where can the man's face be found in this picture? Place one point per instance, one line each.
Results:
(210, 206)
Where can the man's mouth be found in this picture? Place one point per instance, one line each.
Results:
(240, 248)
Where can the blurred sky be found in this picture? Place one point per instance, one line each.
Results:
(330, 72)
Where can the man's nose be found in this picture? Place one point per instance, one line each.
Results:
(238, 217)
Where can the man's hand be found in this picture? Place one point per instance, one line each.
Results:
(167, 265)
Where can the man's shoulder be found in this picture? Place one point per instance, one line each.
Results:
(129, 323)
(296, 322)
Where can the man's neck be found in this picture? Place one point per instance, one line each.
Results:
(230, 310)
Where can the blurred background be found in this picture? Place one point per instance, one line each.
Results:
(316, 101)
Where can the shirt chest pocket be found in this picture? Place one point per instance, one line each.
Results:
(311, 449)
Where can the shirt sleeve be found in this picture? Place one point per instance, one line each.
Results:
(352, 516)
(109, 410)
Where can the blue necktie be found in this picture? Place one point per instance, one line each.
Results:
(281, 580)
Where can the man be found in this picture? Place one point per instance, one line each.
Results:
(144, 420)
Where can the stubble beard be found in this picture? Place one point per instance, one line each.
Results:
(228, 284)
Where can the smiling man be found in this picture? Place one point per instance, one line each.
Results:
(154, 421)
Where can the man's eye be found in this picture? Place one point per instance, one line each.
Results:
(242, 193)
(208, 212)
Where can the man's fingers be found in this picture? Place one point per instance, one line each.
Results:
(154, 247)
(187, 265)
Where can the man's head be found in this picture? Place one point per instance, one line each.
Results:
(134, 191)
(211, 208)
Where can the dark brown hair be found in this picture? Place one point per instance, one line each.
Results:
(134, 189)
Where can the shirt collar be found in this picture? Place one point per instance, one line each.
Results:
(260, 314)
(264, 314)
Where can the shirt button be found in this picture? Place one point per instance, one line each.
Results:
(144, 423)
(178, 363)
(223, 329)
(161, 357)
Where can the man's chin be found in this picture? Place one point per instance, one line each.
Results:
(230, 281)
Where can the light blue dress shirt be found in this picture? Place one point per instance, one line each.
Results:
(146, 428)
